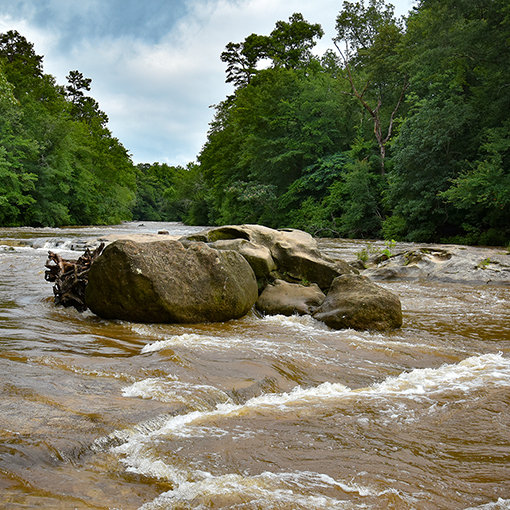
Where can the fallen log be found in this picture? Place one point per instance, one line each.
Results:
(70, 277)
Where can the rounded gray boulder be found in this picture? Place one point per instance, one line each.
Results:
(170, 282)
(353, 301)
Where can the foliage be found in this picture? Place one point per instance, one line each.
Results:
(371, 67)
(59, 163)
(482, 188)
(401, 133)
(288, 45)
(153, 185)
(267, 135)
(457, 56)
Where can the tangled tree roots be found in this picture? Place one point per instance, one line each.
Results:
(70, 277)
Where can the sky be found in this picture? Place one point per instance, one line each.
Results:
(155, 64)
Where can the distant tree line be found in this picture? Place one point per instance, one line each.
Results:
(400, 131)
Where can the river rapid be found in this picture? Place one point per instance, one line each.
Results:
(257, 413)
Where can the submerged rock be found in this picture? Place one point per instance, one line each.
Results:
(353, 301)
(170, 281)
(289, 299)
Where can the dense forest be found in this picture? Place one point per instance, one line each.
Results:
(400, 131)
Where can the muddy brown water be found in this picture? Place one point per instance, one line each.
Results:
(258, 413)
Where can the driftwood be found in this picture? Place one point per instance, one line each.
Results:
(70, 277)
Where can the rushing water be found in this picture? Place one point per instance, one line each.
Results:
(258, 413)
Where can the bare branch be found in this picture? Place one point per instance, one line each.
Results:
(393, 113)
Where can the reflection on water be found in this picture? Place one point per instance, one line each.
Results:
(258, 413)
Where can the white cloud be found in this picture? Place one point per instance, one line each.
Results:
(157, 93)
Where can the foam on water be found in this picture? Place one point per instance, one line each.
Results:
(196, 396)
(307, 329)
(267, 490)
(305, 324)
(204, 342)
(297, 347)
(472, 373)
(189, 340)
(500, 504)
(489, 370)
(300, 322)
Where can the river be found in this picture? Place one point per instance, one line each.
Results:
(257, 413)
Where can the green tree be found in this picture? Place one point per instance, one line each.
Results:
(6, 90)
(482, 190)
(289, 45)
(22, 66)
(340, 195)
(60, 163)
(190, 197)
(265, 136)
(16, 184)
(458, 59)
(155, 188)
(371, 36)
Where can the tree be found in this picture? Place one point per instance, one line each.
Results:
(427, 153)
(288, 45)
(371, 36)
(154, 190)
(6, 90)
(22, 66)
(291, 43)
(77, 84)
(482, 190)
(16, 184)
(243, 58)
(59, 162)
(458, 59)
(265, 136)
(359, 27)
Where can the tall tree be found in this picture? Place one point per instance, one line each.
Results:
(59, 162)
(458, 58)
(267, 134)
(370, 37)
(22, 65)
(289, 45)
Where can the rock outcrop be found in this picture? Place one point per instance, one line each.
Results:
(445, 263)
(285, 298)
(170, 281)
(285, 254)
(353, 301)
(221, 273)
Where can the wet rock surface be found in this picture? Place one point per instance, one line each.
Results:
(472, 265)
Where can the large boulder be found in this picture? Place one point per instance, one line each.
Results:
(285, 254)
(353, 301)
(170, 281)
(285, 298)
